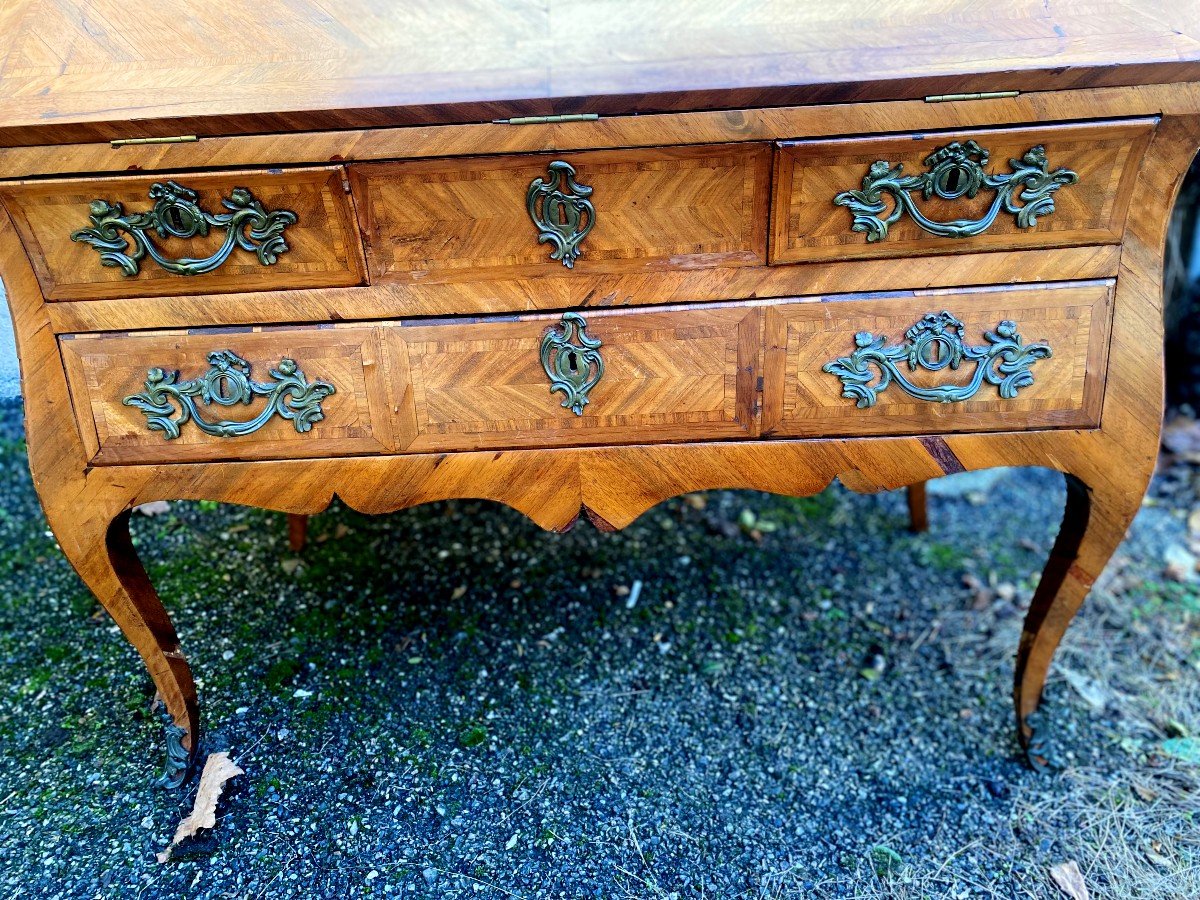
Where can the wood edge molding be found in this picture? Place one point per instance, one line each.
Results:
(403, 301)
(268, 115)
(661, 129)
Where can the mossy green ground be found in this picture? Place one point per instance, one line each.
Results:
(450, 702)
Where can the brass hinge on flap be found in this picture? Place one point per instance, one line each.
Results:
(548, 120)
(131, 142)
(985, 95)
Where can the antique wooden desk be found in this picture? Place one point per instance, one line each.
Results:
(582, 257)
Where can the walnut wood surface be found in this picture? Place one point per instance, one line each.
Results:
(75, 70)
(800, 399)
(809, 174)
(462, 219)
(323, 245)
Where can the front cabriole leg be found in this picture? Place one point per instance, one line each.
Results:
(105, 559)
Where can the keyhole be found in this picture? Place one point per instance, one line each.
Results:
(573, 361)
(174, 219)
(953, 177)
(223, 388)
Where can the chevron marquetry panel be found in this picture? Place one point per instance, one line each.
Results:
(656, 209)
(682, 374)
(799, 399)
(807, 225)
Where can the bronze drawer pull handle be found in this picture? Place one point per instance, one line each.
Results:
(572, 361)
(562, 219)
(935, 343)
(169, 403)
(956, 170)
(176, 214)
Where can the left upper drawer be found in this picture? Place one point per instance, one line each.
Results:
(177, 396)
(188, 233)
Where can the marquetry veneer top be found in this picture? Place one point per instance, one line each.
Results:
(82, 70)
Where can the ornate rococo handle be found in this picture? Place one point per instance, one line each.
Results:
(572, 361)
(561, 211)
(935, 343)
(176, 213)
(169, 403)
(955, 170)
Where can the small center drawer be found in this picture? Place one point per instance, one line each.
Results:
(604, 211)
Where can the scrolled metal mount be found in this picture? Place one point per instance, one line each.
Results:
(572, 361)
(935, 343)
(179, 761)
(955, 170)
(169, 403)
(561, 211)
(176, 213)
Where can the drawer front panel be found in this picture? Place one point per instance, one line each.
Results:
(120, 247)
(666, 376)
(897, 365)
(940, 193)
(654, 209)
(128, 415)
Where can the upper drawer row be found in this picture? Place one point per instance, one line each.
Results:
(607, 212)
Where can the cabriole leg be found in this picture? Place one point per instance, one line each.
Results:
(1093, 525)
(104, 557)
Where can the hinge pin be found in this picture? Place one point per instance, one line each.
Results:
(985, 95)
(548, 120)
(130, 142)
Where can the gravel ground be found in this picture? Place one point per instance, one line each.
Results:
(801, 699)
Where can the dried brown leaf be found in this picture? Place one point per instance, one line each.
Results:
(1181, 435)
(218, 769)
(1068, 879)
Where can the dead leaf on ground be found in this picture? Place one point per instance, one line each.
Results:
(1180, 563)
(218, 769)
(1144, 792)
(1154, 855)
(1093, 692)
(1068, 879)
(1181, 435)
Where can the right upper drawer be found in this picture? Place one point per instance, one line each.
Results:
(964, 191)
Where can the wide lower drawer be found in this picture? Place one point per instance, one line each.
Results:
(953, 192)
(671, 375)
(904, 363)
(188, 233)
